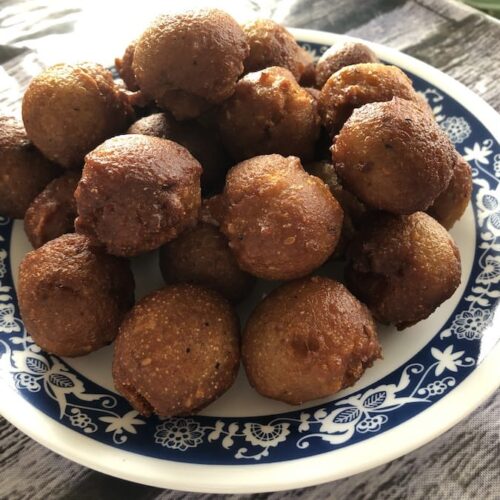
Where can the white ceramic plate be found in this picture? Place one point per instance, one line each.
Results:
(432, 374)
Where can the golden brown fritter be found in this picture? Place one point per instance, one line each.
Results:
(272, 45)
(349, 203)
(70, 109)
(201, 256)
(281, 222)
(403, 267)
(359, 84)
(177, 351)
(213, 209)
(73, 296)
(308, 339)
(308, 78)
(124, 67)
(53, 212)
(269, 113)
(189, 62)
(393, 156)
(341, 54)
(450, 205)
(352, 207)
(136, 193)
(24, 172)
(199, 141)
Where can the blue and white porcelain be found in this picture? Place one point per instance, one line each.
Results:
(432, 374)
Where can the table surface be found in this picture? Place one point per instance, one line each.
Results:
(462, 463)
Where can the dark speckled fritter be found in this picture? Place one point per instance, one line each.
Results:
(281, 222)
(269, 113)
(272, 45)
(52, 213)
(190, 61)
(339, 55)
(308, 339)
(73, 296)
(450, 205)
(201, 255)
(359, 84)
(403, 267)
(200, 142)
(393, 156)
(136, 193)
(177, 351)
(24, 172)
(124, 67)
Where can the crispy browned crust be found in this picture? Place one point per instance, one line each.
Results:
(73, 296)
(70, 109)
(177, 351)
(281, 222)
(308, 339)
(136, 193)
(393, 156)
(403, 267)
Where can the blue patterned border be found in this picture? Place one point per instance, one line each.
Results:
(76, 402)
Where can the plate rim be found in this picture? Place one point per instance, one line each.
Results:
(287, 474)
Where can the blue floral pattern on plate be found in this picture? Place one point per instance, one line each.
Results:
(78, 403)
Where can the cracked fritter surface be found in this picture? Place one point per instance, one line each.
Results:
(308, 339)
(359, 84)
(177, 351)
(269, 113)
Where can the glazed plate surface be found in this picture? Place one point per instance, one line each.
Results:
(432, 374)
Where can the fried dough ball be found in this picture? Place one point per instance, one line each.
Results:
(70, 109)
(53, 212)
(272, 45)
(352, 207)
(73, 296)
(341, 54)
(450, 205)
(201, 255)
(213, 209)
(24, 172)
(281, 222)
(269, 113)
(403, 267)
(359, 84)
(189, 62)
(200, 142)
(308, 339)
(124, 67)
(308, 78)
(393, 156)
(137, 193)
(177, 351)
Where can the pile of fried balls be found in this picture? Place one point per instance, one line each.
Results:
(229, 149)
